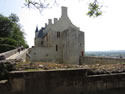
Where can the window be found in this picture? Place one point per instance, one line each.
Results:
(34, 53)
(58, 34)
(41, 42)
(56, 47)
(47, 38)
(82, 53)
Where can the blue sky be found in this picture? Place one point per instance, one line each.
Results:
(10, 6)
(106, 32)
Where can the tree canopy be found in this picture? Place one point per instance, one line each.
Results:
(11, 34)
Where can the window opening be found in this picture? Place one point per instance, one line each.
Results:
(56, 47)
(82, 53)
(58, 34)
(41, 42)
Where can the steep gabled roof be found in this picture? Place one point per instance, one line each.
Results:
(37, 29)
(41, 33)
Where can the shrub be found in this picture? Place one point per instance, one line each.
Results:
(8, 41)
(5, 68)
(6, 47)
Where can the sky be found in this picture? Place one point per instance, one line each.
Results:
(103, 33)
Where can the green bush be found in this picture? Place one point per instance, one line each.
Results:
(8, 41)
(5, 68)
(6, 47)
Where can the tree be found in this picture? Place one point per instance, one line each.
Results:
(5, 26)
(11, 34)
(94, 9)
(14, 18)
(94, 6)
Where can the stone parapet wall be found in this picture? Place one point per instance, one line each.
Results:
(73, 81)
(4, 87)
(9, 53)
(100, 60)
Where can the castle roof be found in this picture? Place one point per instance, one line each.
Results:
(59, 25)
(41, 33)
(37, 29)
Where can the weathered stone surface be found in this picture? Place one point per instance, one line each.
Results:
(89, 60)
(63, 82)
(60, 42)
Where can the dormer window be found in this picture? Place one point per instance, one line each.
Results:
(58, 34)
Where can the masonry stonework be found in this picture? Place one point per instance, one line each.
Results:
(89, 60)
(74, 81)
(60, 42)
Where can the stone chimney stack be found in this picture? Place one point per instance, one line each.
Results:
(45, 25)
(55, 20)
(50, 21)
(64, 11)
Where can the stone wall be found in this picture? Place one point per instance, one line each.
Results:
(62, 39)
(62, 82)
(100, 60)
(9, 53)
(42, 54)
(4, 87)
(63, 49)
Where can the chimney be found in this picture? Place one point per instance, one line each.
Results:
(45, 25)
(55, 20)
(64, 11)
(50, 21)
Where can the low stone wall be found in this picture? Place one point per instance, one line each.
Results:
(62, 82)
(100, 60)
(9, 53)
(4, 87)
(23, 56)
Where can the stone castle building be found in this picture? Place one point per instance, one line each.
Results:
(60, 42)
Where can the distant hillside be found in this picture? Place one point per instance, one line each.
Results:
(114, 53)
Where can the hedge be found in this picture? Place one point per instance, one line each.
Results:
(5, 68)
(8, 41)
(6, 47)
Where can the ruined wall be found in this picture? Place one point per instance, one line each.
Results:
(61, 82)
(100, 60)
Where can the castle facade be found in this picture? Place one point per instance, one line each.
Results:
(60, 42)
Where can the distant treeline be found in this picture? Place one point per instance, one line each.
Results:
(11, 33)
(117, 54)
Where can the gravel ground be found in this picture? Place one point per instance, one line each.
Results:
(92, 69)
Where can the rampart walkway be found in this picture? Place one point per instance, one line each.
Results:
(14, 54)
(19, 55)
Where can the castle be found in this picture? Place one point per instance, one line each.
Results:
(60, 42)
